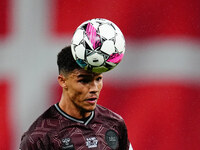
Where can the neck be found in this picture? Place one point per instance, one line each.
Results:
(71, 109)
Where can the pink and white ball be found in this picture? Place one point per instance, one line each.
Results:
(98, 45)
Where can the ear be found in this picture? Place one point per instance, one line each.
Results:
(62, 81)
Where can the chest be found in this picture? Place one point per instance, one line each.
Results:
(94, 137)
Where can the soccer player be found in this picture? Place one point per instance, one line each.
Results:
(77, 121)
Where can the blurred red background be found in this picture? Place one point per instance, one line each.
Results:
(159, 102)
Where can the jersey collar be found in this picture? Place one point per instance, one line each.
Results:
(72, 118)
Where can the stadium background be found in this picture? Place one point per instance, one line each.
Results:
(156, 88)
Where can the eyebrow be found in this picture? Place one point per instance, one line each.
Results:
(84, 76)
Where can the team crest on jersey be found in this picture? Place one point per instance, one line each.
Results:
(67, 145)
(91, 142)
(112, 140)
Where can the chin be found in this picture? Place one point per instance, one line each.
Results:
(90, 108)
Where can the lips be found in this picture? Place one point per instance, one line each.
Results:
(92, 100)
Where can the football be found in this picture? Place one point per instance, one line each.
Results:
(98, 45)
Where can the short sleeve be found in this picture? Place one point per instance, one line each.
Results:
(124, 142)
(30, 143)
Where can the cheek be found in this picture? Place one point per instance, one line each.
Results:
(73, 92)
(80, 93)
(100, 86)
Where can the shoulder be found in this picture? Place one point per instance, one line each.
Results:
(108, 114)
(45, 121)
(44, 124)
(111, 121)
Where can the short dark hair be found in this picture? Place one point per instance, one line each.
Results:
(65, 61)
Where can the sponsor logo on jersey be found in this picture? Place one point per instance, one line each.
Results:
(91, 142)
(112, 139)
(67, 145)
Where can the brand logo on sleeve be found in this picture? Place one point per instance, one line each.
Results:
(112, 139)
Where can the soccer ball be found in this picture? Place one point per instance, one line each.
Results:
(98, 45)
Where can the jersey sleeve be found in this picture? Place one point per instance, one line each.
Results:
(30, 143)
(124, 141)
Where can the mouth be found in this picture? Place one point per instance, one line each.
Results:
(92, 100)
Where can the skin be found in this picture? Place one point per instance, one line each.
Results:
(81, 90)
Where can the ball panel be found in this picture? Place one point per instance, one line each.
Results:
(95, 59)
(80, 51)
(107, 31)
(73, 52)
(81, 63)
(92, 36)
(120, 43)
(78, 36)
(115, 58)
(88, 43)
(94, 23)
(100, 69)
(108, 47)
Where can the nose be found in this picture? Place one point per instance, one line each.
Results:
(94, 87)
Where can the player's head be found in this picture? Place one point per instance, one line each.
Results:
(65, 61)
(81, 88)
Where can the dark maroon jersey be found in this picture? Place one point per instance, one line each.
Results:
(56, 130)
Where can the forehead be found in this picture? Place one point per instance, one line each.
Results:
(79, 73)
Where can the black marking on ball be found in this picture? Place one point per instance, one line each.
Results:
(95, 60)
